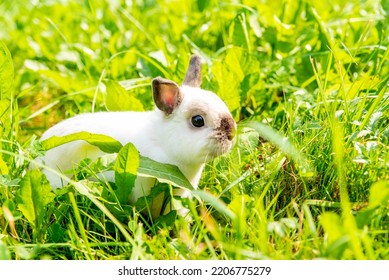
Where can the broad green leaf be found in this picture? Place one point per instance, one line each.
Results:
(251, 84)
(5, 113)
(24, 252)
(379, 194)
(203, 4)
(365, 217)
(151, 67)
(241, 63)
(105, 143)
(166, 220)
(5, 127)
(230, 74)
(165, 173)
(3, 166)
(338, 240)
(118, 99)
(57, 233)
(228, 85)
(235, 60)
(126, 166)
(4, 253)
(145, 202)
(332, 226)
(33, 196)
(238, 31)
(6, 72)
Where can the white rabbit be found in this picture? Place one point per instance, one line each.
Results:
(188, 127)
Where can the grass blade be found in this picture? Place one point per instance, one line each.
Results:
(284, 145)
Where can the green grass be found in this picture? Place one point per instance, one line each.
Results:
(306, 80)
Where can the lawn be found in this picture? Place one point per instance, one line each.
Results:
(306, 81)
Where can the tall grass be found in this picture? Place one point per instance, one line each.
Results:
(307, 81)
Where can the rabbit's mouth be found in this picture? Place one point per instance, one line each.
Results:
(216, 149)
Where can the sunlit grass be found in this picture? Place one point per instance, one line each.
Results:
(307, 82)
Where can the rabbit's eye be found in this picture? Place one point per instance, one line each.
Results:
(198, 121)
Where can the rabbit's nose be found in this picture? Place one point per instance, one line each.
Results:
(227, 124)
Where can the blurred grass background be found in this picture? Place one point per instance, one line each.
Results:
(317, 72)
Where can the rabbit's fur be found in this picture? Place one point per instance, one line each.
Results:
(166, 134)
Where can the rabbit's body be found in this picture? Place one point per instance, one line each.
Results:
(189, 127)
(122, 126)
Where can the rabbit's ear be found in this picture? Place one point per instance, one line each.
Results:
(167, 95)
(193, 75)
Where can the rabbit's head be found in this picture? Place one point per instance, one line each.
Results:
(196, 124)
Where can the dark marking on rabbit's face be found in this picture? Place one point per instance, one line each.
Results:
(223, 134)
(226, 128)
